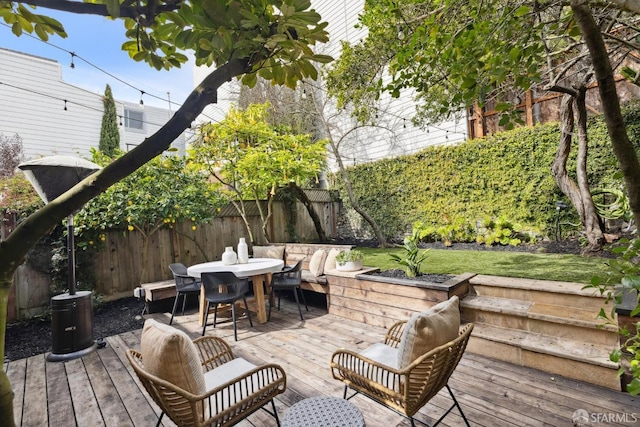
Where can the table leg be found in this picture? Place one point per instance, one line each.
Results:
(203, 305)
(258, 293)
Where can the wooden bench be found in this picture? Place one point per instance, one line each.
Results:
(155, 292)
(294, 252)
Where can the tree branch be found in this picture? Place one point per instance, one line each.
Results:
(145, 14)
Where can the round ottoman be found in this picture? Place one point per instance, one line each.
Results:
(323, 411)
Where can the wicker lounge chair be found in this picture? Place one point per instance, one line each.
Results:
(375, 373)
(200, 382)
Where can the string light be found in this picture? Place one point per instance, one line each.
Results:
(141, 93)
(120, 117)
(65, 105)
(72, 64)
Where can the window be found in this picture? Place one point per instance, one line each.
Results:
(133, 119)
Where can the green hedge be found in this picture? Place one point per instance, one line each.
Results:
(459, 189)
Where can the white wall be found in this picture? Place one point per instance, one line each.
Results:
(32, 94)
(366, 144)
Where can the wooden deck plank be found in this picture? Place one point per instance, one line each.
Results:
(130, 392)
(132, 340)
(84, 401)
(61, 411)
(35, 396)
(16, 373)
(107, 395)
(492, 393)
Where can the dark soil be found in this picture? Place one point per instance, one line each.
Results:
(26, 339)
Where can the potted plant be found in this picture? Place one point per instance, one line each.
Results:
(350, 260)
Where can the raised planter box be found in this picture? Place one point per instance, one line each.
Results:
(381, 301)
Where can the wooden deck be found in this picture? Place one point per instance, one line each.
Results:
(101, 389)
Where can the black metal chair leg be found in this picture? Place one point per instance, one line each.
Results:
(215, 315)
(206, 317)
(303, 299)
(246, 306)
(160, 419)
(184, 302)
(295, 294)
(233, 318)
(275, 413)
(175, 305)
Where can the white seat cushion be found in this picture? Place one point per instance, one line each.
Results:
(236, 392)
(226, 372)
(383, 354)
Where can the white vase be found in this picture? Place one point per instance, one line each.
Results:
(229, 257)
(349, 266)
(243, 251)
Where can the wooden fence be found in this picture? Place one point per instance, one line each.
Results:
(121, 265)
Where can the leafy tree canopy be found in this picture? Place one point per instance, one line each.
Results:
(253, 159)
(454, 53)
(279, 33)
(164, 191)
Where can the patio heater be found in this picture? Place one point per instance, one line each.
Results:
(72, 311)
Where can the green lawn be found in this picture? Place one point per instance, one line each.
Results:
(571, 268)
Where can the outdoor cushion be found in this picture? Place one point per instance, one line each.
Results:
(169, 354)
(330, 261)
(268, 252)
(429, 329)
(316, 264)
(382, 353)
(308, 277)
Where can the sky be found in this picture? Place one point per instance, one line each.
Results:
(98, 40)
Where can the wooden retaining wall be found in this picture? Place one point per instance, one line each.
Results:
(381, 301)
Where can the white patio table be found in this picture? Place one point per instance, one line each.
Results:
(258, 269)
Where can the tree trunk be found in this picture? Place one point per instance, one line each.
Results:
(622, 146)
(382, 242)
(590, 221)
(13, 250)
(300, 195)
(576, 191)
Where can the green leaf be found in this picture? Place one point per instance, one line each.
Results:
(522, 11)
(113, 7)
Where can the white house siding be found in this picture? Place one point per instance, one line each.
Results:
(32, 94)
(366, 144)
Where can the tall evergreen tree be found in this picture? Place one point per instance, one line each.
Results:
(109, 133)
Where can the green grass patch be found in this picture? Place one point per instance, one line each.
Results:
(568, 268)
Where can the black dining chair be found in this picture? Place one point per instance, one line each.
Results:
(185, 285)
(224, 288)
(288, 279)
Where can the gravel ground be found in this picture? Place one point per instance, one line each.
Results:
(34, 337)
(26, 339)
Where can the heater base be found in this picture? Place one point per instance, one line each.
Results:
(53, 357)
